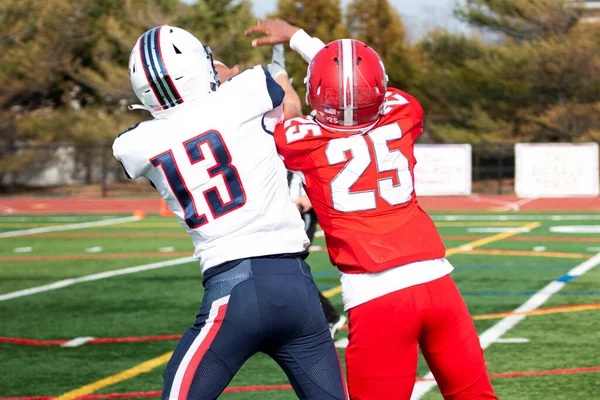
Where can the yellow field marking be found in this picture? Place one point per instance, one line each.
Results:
(465, 248)
(553, 254)
(543, 311)
(139, 369)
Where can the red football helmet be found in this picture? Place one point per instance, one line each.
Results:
(346, 83)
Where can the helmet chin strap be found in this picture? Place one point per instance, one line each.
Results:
(132, 107)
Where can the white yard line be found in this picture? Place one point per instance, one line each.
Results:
(77, 341)
(507, 323)
(517, 217)
(513, 340)
(498, 229)
(94, 277)
(43, 218)
(69, 227)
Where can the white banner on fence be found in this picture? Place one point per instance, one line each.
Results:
(556, 169)
(443, 169)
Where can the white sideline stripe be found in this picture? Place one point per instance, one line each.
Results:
(507, 323)
(94, 277)
(69, 227)
(77, 341)
(48, 219)
(316, 248)
(512, 340)
(95, 249)
(499, 229)
(576, 229)
(517, 217)
(319, 234)
(187, 358)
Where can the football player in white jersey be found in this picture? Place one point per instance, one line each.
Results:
(210, 153)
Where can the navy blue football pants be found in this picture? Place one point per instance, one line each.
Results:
(268, 305)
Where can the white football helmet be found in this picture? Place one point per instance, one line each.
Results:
(169, 68)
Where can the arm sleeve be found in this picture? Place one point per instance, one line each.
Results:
(305, 45)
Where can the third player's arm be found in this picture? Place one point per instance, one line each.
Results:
(292, 107)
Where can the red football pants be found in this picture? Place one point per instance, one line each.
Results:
(385, 335)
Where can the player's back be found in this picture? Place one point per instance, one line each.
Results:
(219, 171)
(361, 186)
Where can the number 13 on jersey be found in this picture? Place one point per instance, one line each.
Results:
(346, 200)
(223, 168)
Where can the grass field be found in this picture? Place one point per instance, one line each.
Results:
(496, 275)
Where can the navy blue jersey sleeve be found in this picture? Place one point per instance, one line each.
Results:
(276, 92)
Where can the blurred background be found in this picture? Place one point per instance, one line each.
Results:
(488, 73)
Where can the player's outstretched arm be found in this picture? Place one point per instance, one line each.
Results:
(292, 107)
(279, 31)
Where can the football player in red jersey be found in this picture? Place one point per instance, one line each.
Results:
(354, 153)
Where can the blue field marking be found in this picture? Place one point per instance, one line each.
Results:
(566, 278)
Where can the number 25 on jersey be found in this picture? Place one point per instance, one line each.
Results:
(223, 168)
(346, 200)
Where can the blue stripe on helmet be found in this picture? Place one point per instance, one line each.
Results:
(148, 55)
(165, 79)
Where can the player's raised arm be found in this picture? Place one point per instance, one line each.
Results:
(292, 107)
(279, 31)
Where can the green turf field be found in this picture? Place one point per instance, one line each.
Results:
(164, 301)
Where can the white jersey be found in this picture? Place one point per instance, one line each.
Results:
(219, 171)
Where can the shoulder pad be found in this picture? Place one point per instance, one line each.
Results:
(129, 129)
(296, 129)
(399, 104)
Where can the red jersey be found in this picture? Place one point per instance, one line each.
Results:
(360, 184)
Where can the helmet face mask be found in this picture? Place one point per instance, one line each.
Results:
(169, 69)
(346, 84)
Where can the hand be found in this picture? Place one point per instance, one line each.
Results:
(226, 73)
(303, 204)
(276, 31)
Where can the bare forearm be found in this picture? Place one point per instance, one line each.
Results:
(292, 107)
